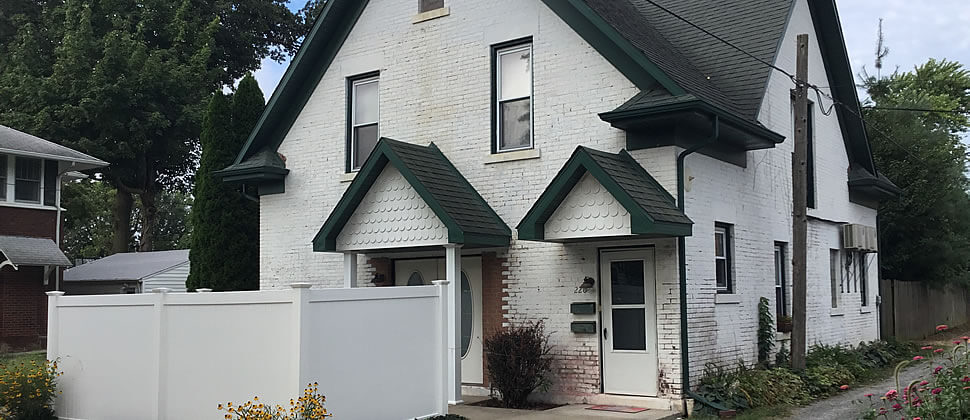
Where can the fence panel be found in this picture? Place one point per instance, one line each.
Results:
(376, 352)
(917, 308)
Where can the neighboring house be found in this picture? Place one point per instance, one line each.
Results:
(129, 272)
(541, 142)
(31, 172)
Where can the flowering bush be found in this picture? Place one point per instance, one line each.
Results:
(308, 407)
(27, 390)
(944, 394)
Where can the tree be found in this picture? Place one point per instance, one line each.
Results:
(127, 81)
(225, 250)
(925, 233)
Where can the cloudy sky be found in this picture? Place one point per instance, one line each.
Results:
(915, 31)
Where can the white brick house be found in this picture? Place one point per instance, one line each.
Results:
(556, 127)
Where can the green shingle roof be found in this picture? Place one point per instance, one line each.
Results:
(464, 212)
(653, 211)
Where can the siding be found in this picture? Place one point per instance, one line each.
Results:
(173, 278)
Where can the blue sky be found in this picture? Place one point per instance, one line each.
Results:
(915, 31)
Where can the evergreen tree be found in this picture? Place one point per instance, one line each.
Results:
(225, 237)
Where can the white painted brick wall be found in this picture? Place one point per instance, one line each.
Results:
(435, 86)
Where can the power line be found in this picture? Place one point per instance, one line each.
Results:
(939, 111)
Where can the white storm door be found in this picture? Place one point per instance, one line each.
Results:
(629, 310)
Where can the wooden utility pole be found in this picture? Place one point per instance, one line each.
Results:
(799, 204)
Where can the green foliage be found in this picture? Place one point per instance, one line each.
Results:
(925, 233)
(27, 390)
(225, 245)
(518, 362)
(766, 330)
(743, 388)
(783, 357)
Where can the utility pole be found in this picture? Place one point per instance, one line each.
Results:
(799, 204)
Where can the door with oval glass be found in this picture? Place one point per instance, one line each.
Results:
(629, 317)
(416, 272)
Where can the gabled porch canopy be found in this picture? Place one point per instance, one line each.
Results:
(598, 194)
(445, 202)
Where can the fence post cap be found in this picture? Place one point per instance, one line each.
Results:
(161, 290)
(301, 285)
(203, 290)
(440, 282)
(55, 293)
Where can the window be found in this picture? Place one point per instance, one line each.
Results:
(3, 177)
(429, 5)
(863, 269)
(723, 257)
(28, 178)
(810, 158)
(835, 275)
(512, 86)
(781, 282)
(363, 114)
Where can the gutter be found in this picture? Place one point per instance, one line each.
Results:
(682, 268)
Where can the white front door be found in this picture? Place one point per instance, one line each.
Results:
(629, 310)
(424, 271)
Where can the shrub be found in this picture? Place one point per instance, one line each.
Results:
(824, 380)
(766, 331)
(783, 357)
(743, 388)
(27, 390)
(308, 407)
(518, 362)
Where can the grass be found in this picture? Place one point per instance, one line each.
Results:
(17, 358)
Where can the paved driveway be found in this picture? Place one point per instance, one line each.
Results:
(564, 412)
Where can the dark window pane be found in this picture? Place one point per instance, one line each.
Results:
(426, 5)
(779, 303)
(626, 282)
(50, 183)
(365, 138)
(466, 314)
(722, 282)
(629, 329)
(415, 279)
(3, 177)
(516, 124)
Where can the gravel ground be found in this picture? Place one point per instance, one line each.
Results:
(847, 405)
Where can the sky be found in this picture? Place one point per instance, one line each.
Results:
(915, 31)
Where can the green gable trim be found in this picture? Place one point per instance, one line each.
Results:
(303, 74)
(391, 152)
(643, 216)
(605, 39)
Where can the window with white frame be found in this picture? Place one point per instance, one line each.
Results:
(364, 114)
(3, 177)
(835, 275)
(862, 266)
(781, 282)
(429, 5)
(723, 258)
(513, 97)
(28, 176)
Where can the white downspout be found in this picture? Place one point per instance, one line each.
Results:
(57, 226)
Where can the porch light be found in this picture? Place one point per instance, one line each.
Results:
(587, 284)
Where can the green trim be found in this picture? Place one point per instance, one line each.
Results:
(605, 39)
(384, 154)
(532, 226)
(317, 53)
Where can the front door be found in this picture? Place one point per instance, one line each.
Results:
(422, 272)
(629, 318)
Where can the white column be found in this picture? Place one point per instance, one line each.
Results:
(52, 325)
(453, 275)
(159, 357)
(300, 330)
(444, 380)
(350, 269)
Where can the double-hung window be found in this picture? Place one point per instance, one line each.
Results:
(513, 97)
(28, 177)
(863, 270)
(3, 177)
(781, 282)
(835, 276)
(429, 5)
(364, 114)
(722, 258)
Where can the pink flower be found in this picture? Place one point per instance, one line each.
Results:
(897, 407)
(936, 391)
(926, 348)
(891, 394)
(917, 358)
(938, 351)
(942, 327)
(965, 379)
(844, 387)
(966, 338)
(937, 370)
(924, 383)
(966, 387)
(868, 395)
(917, 418)
(957, 342)
(882, 411)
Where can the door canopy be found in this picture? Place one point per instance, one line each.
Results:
(598, 194)
(408, 196)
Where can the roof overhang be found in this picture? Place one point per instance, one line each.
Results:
(869, 190)
(653, 212)
(18, 251)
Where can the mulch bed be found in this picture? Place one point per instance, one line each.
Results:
(537, 406)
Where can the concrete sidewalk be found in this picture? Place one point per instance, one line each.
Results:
(578, 411)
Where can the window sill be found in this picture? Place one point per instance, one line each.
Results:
(836, 312)
(727, 299)
(781, 336)
(347, 177)
(513, 156)
(431, 14)
(865, 310)
(26, 205)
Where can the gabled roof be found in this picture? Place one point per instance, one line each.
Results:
(129, 266)
(19, 143)
(463, 211)
(23, 251)
(652, 209)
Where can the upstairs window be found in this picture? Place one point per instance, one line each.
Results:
(512, 86)
(835, 277)
(364, 114)
(722, 258)
(781, 282)
(429, 5)
(28, 176)
(3, 177)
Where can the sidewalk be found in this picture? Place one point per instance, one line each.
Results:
(578, 411)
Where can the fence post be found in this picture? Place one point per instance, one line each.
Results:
(52, 325)
(300, 329)
(159, 357)
(442, 323)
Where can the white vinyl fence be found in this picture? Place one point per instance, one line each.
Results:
(377, 353)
